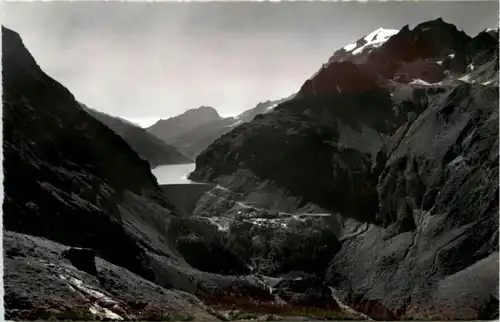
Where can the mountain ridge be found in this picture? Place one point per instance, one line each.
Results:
(149, 147)
(379, 140)
(169, 129)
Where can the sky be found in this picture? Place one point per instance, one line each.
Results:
(144, 61)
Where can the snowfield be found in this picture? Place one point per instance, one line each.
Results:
(376, 39)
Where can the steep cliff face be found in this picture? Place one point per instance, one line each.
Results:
(70, 178)
(64, 171)
(148, 146)
(402, 138)
(438, 197)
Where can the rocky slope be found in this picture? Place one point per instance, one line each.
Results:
(196, 129)
(70, 179)
(88, 233)
(396, 137)
(148, 146)
(41, 284)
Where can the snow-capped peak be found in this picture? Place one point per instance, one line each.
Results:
(272, 106)
(374, 39)
(381, 34)
(492, 29)
(350, 47)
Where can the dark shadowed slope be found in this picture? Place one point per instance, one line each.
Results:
(53, 149)
(148, 146)
(70, 179)
(402, 136)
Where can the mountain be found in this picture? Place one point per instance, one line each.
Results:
(395, 141)
(205, 126)
(261, 108)
(370, 193)
(172, 127)
(148, 146)
(88, 234)
(70, 181)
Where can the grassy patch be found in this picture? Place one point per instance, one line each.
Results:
(245, 308)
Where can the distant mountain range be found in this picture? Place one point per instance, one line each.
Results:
(173, 127)
(194, 130)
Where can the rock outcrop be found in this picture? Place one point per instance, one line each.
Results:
(399, 144)
(41, 285)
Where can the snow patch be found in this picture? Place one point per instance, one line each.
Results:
(439, 62)
(80, 285)
(419, 82)
(465, 78)
(271, 107)
(487, 83)
(451, 55)
(376, 38)
(350, 47)
(471, 67)
(75, 284)
(492, 29)
(104, 312)
(234, 124)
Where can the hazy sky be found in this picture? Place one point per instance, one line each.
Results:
(145, 61)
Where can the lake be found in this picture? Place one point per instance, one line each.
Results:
(173, 173)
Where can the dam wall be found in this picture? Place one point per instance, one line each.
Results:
(185, 195)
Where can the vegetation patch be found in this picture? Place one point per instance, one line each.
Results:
(244, 308)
